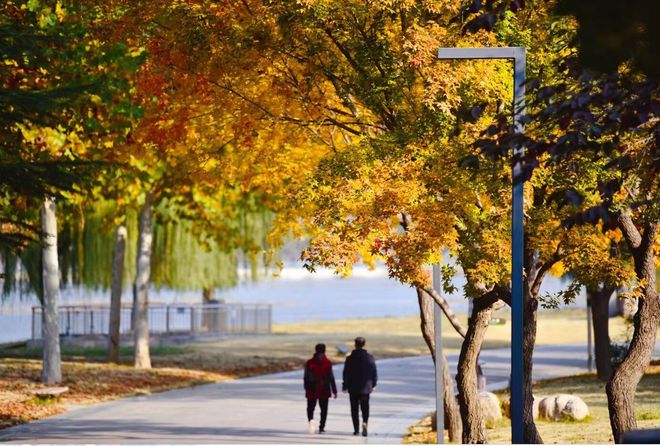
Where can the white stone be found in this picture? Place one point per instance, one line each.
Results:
(562, 406)
(490, 406)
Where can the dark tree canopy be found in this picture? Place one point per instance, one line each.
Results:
(612, 32)
(609, 33)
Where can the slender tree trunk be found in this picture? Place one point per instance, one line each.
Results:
(452, 411)
(52, 369)
(535, 272)
(142, 360)
(209, 318)
(621, 388)
(530, 314)
(474, 425)
(452, 414)
(599, 299)
(115, 293)
(207, 295)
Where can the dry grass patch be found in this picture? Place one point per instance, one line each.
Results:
(88, 383)
(567, 326)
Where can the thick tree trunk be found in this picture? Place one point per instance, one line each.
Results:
(599, 299)
(142, 360)
(621, 388)
(452, 414)
(51, 372)
(474, 426)
(115, 293)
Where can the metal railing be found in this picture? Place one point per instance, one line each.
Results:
(80, 320)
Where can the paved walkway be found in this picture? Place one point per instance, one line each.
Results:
(271, 408)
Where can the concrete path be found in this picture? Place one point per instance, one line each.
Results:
(271, 408)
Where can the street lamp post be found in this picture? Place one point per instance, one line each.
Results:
(517, 55)
(439, 375)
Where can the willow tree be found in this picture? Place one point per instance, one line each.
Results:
(183, 256)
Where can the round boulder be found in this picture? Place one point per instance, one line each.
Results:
(490, 406)
(563, 406)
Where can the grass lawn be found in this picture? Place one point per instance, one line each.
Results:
(92, 380)
(88, 383)
(595, 429)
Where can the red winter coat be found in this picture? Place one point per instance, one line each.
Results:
(319, 379)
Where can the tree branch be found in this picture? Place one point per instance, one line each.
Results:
(543, 270)
(444, 305)
(630, 231)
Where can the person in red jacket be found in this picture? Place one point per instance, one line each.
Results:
(319, 384)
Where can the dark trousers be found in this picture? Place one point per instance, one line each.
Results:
(311, 405)
(359, 402)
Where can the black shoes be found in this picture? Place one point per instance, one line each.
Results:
(356, 433)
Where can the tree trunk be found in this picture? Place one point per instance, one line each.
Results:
(207, 295)
(450, 405)
(51, 372)
(115, 293)
(142, 360)
(531, 433)
(474, 425)
(452, 412)
(621, 388)
(599, 299)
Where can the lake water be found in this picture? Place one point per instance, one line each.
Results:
(296, 296)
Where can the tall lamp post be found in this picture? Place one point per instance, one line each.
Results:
(439, 375)
(517, 55)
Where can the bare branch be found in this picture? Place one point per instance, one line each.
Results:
(544, 268)
(444, 305)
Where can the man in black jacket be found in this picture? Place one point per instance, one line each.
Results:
(360, 379)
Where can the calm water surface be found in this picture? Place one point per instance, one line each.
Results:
(296, 296)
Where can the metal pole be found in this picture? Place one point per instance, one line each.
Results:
(439, 377)
(517, 55)
(517, 255)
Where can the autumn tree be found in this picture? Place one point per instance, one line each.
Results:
(213, 146)
(607, 124)
(368, 75)
(609, 119)
(397, 111)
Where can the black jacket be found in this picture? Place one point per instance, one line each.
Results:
(360, 374)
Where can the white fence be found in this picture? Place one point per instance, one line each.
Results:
(78, 320)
